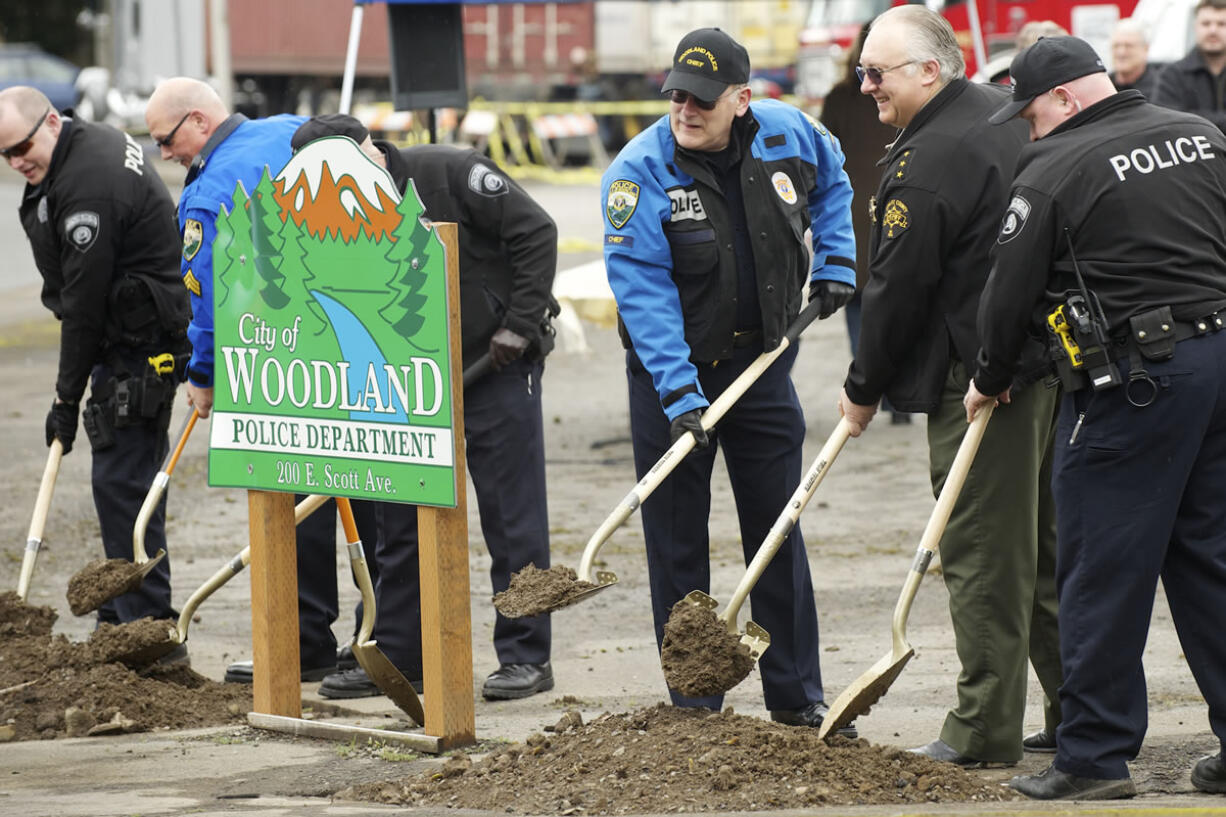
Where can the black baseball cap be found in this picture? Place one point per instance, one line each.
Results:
(328, 124)
(706, 62)
(1049, 62)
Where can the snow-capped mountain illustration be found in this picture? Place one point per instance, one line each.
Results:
(333, 189)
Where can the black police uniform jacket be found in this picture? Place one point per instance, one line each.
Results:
(99, 222)
(1188, 85)
(1140, 191)
(508, 243)
(936, 214)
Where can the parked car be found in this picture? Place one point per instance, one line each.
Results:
(27, 64)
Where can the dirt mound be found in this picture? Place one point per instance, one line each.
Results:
(533, 591)
(51, 687)
(699, 656)
(664, 759)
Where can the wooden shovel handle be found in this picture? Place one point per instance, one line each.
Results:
(42, 506)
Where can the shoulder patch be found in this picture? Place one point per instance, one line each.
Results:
(81, 229)
(817, 125)
(193, 286)
(1014, 220)
(193, 237)
(896, 218)
(485, 181)
(784, 187)
(623, 198)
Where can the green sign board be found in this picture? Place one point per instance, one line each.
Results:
(333, 371)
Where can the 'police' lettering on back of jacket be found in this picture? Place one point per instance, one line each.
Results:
(686, 205)
(1178, 151)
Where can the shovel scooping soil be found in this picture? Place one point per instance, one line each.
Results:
(534, 591)
(100, 581)
(699, 656)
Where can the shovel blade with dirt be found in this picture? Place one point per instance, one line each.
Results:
(869, 687)
(38, 521)
(105, 579)
(390, 681)
(159, 643)
(700, 659)
(534, 592)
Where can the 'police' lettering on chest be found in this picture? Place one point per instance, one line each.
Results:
(686, 205)
(133, 156)
(1181, 151)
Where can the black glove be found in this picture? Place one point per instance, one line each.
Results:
(506, 346)
(690, 421)
(831, 294)
(62, 423)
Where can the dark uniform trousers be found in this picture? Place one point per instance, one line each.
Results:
(121, 476)
(318, 605)
(504, 436)
(1141, 494)
(998, 559)
(762, 437)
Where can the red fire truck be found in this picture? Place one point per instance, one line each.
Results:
(986, 30)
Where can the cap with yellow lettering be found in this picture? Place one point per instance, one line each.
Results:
(707, 61)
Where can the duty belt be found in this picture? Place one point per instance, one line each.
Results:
(746, 337)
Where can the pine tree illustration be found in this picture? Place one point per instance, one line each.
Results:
(298, 275)
(266, 241)
(232, 255)
(409, 254)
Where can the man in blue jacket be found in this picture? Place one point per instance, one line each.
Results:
(705, 213)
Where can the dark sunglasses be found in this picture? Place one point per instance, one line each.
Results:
(23, 147)
(875, 74)
(165, 141)
(682, 97)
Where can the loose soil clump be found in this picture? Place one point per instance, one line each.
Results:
(534, 591)
(99, 582)
(666, 759)
(51, 687)
(698, 655)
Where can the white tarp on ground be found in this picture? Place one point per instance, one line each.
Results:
(584, 294)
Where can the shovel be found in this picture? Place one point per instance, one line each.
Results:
(42, 505)
(107, 584)
(869, 687)
(755, 637)
(599, 580)
(148, 653)
(390, 681)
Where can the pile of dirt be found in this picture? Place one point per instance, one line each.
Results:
(99, 582)
(533, 591)
(51, 687)
(699, 656)
(667, 759)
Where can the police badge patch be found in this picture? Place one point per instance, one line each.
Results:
(623, 198)
(81, 229)
(485, 181)
(896, 218)
(193, 237)
(783, 186)
(1014, 220)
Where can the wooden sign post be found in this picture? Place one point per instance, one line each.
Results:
(276, 688)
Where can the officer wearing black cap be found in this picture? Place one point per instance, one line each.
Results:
(933, 232)
(101, 225)
(508, 257)
(705, 212)
(1115, 238)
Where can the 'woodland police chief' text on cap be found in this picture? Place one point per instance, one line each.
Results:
(707, 61)
(1050, 62)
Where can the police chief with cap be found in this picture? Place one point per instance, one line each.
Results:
(508, 249)
(1114, 247)
(101, 225)
(705, 213)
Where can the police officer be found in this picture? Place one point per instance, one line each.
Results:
(704, 216)
(192, 127)
(508, 256)
(1118, 219)
(933, 231)
(100, 223)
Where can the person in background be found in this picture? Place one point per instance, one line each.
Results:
(933, 233)
(1130, 58)
(101, 226)
(704, 216)
(1197, 83)
(1030, 33)
(852, 118)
